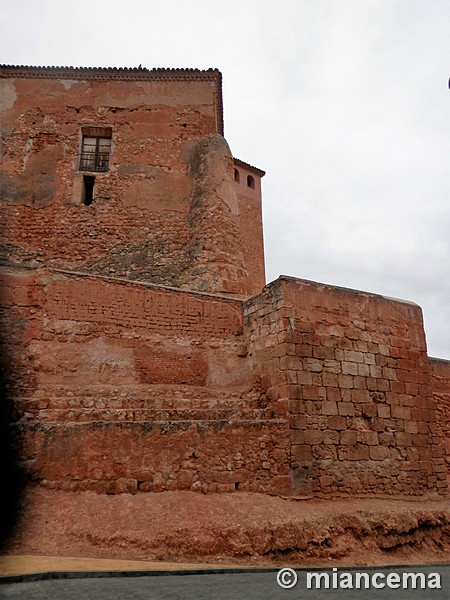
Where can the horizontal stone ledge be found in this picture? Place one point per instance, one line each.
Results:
(150, 425)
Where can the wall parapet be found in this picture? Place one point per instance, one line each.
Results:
(305, 390)
(349, 371)
(440, 379)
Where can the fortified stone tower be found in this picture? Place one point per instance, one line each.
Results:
(143, 353)
(125, 172)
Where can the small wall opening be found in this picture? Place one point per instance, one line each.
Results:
(251, 181)
(237, 176)
(88, 181)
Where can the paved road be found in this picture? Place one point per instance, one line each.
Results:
(236, 586)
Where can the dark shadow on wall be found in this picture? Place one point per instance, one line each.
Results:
(12, 483)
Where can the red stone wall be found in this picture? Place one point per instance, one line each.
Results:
(125, 387)
(157, 456)
(251, 227)
(349, 371)
(165, 212)
(306, 389)
(120, 386)
(81, 326)
(440, 379)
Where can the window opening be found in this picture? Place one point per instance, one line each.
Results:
(237, 176)
(89, 181)
(95, 149)
(250, 182)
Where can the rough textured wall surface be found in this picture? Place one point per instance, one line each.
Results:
(127, 373)
(349, 371)
(165, 211)
(123, 387)
(131, 457)
(217, 248)
(80, 328)
(251, 226)
(440, 379)
(304, 390)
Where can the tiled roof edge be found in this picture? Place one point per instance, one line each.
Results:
(244, 165)
(55, 71)
(121, 74)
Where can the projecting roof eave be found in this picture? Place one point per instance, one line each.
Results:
(121, 74)
(244, 165)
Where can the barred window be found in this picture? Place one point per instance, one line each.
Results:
(95, 149)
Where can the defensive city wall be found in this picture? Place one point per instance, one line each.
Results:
(143, 351)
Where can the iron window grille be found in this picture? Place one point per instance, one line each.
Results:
(95, 150)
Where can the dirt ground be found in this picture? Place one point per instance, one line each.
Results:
(235, 528)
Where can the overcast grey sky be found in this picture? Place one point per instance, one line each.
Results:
(344, 103)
